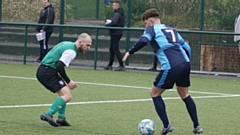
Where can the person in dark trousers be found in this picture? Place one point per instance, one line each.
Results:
(47, 16)
(155, 61)
(174, 54)
(117, 20)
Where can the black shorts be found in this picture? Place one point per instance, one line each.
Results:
(179, 75)
(49, 78)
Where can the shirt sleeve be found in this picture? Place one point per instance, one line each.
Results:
(68, 56)
(147, 36)
(185, 45)
(61, 71)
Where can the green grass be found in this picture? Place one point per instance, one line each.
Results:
(217, 115)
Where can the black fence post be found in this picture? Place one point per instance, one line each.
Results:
(0, 10)
(61, 20)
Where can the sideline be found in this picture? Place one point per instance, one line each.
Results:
(114, 101)
(115, 85)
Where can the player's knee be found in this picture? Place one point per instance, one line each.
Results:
(67, 97)
(183, 96)
(154, 93)
(183, 92)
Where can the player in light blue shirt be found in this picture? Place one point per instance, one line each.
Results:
(174, 54)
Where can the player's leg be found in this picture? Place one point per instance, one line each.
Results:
(66, 95)
(191, 107)
(161, 109)
(59, 105)
(162, 82)
(60, 102)
(182, 85)
(49, 78)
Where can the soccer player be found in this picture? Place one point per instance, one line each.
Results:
(51, 74)
(174, 54)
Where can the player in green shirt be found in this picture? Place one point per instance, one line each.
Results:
(51, 74)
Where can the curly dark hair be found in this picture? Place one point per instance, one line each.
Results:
(152, 12)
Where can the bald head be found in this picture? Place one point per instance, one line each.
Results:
(83, 42)
(84, 36)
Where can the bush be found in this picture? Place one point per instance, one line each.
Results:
(28, 10)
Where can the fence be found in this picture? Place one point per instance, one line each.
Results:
(216, 52)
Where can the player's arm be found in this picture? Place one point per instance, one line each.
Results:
(139, 44)
(61, 70)
(63, 62)
(185, 45)
(144, 40)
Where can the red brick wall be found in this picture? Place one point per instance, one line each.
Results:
(220, 58)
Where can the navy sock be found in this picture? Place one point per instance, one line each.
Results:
(192, 110)
(161, 110)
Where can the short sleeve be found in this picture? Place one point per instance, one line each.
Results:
(67, 57)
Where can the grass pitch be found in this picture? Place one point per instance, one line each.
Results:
(113, 103)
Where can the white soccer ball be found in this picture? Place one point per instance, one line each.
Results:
(146, 127)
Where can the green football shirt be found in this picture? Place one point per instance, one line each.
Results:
(65, 51)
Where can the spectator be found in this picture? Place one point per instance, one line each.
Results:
(47, 16)
(155, 61)
(117, 20)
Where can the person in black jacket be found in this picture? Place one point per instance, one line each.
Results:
(47, 16)
(117, 20)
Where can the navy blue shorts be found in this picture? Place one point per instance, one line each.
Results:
(179, 75)
(49, 78)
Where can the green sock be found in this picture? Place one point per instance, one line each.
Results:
(57, 105)
(61, 112)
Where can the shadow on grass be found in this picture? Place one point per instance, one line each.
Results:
(59, 128)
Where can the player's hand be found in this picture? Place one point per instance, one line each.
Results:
(72, 85)
(125, 56)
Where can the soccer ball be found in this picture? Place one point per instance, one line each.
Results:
(146, 127)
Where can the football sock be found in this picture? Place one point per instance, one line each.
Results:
(61, 112)
(192, 110)
(57, 105)
(161, 110)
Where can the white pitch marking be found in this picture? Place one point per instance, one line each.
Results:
(114, 85)
(113, 101)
